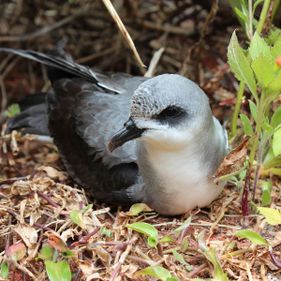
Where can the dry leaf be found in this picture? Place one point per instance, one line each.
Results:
(53, 173)
(56, 242)
(27, 233)
(234, 161)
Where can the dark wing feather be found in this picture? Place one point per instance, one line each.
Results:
(81, 120)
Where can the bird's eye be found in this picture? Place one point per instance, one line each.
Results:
(171, 114)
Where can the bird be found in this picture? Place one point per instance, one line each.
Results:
(129, 139)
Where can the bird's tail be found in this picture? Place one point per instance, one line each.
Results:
(63, 67)
(33, 117)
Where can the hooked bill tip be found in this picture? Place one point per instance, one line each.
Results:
(112, 146)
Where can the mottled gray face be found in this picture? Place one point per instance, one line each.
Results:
(169, 99)
(168, 110)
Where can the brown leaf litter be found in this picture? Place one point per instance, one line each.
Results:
(36, 211)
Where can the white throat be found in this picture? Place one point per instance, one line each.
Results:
(181, 176)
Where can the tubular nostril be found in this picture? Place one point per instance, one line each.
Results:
(129, 123)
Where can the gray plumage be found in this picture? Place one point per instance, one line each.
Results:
(166, 152)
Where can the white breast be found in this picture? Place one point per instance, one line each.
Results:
(185, 180)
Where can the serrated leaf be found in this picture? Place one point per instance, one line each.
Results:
(158, 272)
(276, 118)
(251, 235)
(266, 193)
(272, 216)
(4, 270)
(264, 70)
(247, 126)
(276, 142)
(77, 217)
(253, 110)
(58, 271)
(240, 65)
(146, 229)
(46, 253)
(259, 47)
(138, 208)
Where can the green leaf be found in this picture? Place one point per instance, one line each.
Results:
(77, 217)
(105, 232)
(166, 239)
(146, 229)
(210, 254)
(179, 257)
(58, 271)
(253, 110)
(68, 254)
(138, 208)
(259, 47)
(86, 209)
(158, 272)
(251, 235)
(276, 118)
(240, 65)
(184, 244)
(184, 225)
(276, 142)
(264, 70)
(275, 85)
(4, 270)
(46, 253)
(276, 49)
(247, 126)
(266, 193)
(12, 110)
(274, 35)
(272, 216)
(241, 10)
(152, 241)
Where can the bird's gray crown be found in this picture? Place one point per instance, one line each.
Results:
(156, 94)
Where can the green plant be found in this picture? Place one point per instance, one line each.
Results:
(259, 68)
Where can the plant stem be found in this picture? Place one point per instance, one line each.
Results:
(263, 15)
(250, 8)
(239, 100)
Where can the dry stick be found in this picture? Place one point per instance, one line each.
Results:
(22, 268)
(122, 259)
(154, 62)
(123, 31)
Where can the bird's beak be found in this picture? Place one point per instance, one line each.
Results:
(129, 132)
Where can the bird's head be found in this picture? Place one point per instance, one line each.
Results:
(166, 111)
